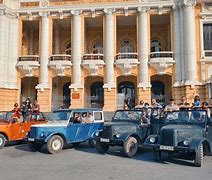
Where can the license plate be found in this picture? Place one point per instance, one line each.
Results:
(167, 148)
(31, 139)
(104, 140)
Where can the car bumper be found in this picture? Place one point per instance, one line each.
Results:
(110, 141)
(169, 148)
(34, 139)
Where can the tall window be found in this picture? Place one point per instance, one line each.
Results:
(155, 45)
(207, 34)
(68, 48)
(126, 46)
(97, 48)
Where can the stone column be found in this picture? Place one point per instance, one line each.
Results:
(109, 48)
(190, 43)
(143, 50)
(109, 51)
(2, 49)
(31, 40)
(76, 42)
(57, 40)
(177, 48)
(44, 52)
(182, 45)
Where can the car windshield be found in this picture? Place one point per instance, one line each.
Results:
(186, 117)
(60, 116)
(6, 116)
(127, 115)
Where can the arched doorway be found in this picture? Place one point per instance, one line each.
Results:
(158, 91)
(61, 92)
(161, 88)
(97, 95)
(66, 95)
(128, 90)
(28, 90)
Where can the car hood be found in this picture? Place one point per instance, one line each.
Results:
(51, 124)
(180, 127)
(120, 124)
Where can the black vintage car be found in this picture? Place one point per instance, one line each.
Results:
(129, 128)
(188, 132)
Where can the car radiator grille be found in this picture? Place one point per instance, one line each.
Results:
(167, 138)
(107, 132)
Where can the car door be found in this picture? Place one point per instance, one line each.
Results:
(73, 128)
(16, 130)
(209, 132)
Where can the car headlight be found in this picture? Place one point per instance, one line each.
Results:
(41, 134)
(186, 142)
(118, 135)
(97, 133)
(152, 139)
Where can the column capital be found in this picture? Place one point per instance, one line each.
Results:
(76, 12)
(109, 11)
(44, 14)
(189, 3)
(143, 9)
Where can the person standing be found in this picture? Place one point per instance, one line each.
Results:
(35, 110)
(196, 101)
(184, 104)
(140, 105)
(26, 109)
(16, 112)
(171, 106)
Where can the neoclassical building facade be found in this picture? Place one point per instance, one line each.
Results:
(96, 53)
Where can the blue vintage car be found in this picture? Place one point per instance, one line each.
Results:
(66, 126)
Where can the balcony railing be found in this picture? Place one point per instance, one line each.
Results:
(208, 53)
(60, 57)
(93, 57)
(126, 56)
(29, 58)
(161, 54)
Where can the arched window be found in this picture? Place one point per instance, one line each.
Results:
(68, 48)
(97, 48)
(126, 46)
(155, 45)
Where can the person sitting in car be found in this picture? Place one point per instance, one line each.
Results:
(90, 118)
(184, 104)
(77, 119)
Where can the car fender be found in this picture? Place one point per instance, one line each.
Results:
(147, 140)
(52, 134)
(125, 136)
(4, 134)
(196, 143)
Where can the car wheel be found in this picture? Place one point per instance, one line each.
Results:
(130, 147)
(35, 146)
(198, 160)
(92, 143)
(102, 147)
(55, 144)
(2, 141)
(156, 155)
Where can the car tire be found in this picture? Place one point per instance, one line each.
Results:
(130, 147)
(92, 143)
(55, 144)
(102, 147)
(2, 141)
(35, 146)
(198, 160)
(156, 155)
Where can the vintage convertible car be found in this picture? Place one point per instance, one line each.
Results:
(13, 130)
(66, 126)
(129, 129)
(188, 132)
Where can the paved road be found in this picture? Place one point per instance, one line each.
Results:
(17, 162)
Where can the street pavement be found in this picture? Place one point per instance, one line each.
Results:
(85, 163)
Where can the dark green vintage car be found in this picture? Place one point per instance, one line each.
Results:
(129, 128)
(188, 132)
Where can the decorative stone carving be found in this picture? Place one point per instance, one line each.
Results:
(60, 66)
(126, 65)
(28, 67)
(93, 66)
